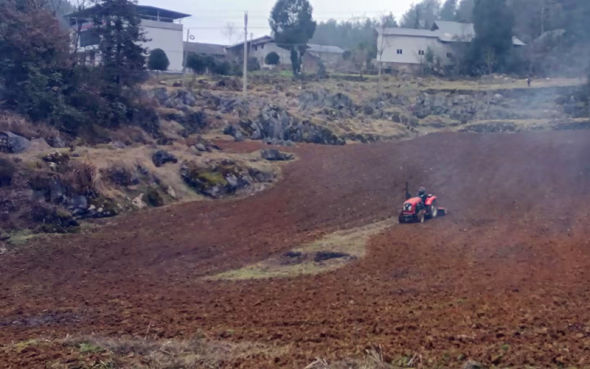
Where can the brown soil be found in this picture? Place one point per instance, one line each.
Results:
(503, 279)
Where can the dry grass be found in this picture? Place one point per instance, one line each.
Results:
(374, 358)
(351, 242)
(197, 352)
(168, 174)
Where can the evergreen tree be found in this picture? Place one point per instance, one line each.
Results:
(292, 26)
(122, 56)
(388, 21)
(492, 45)
(33, 58)
(421, 15)
(448, 10)
(464, 11)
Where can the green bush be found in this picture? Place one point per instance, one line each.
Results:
(253, 64)
(198, 63)
(223, 68)
(158, 60)
(272, 58)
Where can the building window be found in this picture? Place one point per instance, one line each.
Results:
(420, 52)
(400, 51)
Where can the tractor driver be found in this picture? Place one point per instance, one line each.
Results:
(422, 194)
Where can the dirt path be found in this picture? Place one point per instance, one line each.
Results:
(504, 279)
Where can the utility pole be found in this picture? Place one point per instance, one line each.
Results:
(245, 72)
(380, 55)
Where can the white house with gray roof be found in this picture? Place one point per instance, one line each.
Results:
(260, 47)
(162, 28)
(408, 46)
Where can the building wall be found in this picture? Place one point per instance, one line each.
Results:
(330, 60)
(413, 49)
(165, 36)
(261, 51)
(162, 35)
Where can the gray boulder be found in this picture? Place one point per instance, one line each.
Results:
(277, 125)
(473, 365)
(275, 155)
(12, 143)
(160, 94)
(162, 157)
(180, 100)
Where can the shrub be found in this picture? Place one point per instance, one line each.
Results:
(81, 178)
(121, 176)
(272, 58)
(158, 60)
(223, 68)
(253, 64)
(153, 197)
(7, 170)
(198, 63)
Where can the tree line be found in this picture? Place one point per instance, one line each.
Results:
(554, 31)
(42, 78)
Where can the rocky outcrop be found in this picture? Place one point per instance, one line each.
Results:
(276, 124)
(52, 219)
(222, 179)
(458, 107)
(179, 99)
(275, 155)
(12, 143)
(162, 157)
(335, 105)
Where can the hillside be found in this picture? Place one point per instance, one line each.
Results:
(499, 280)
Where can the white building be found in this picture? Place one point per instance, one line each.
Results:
(260, 47)
(161, 27)
(408, 46)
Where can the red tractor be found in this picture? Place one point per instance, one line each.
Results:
(417, 210)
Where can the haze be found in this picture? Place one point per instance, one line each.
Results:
(209, 19)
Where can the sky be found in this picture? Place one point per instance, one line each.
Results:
(210, 18)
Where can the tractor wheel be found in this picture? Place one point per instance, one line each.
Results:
(433, 210)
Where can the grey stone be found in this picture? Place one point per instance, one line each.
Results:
(470, 364)
(275, 155)
(13, 143)
(162, 157)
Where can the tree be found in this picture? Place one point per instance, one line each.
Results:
(464, 11)
(272, 58)
(448, 10)
(421, 15)
(492, 45)
(292, 26)
(349, 34)
(362, 56)
(33, 58)
(388, 21)
(197, 63)
(158, 60)
(122, 56)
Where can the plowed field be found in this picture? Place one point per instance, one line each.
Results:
(503, 279)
